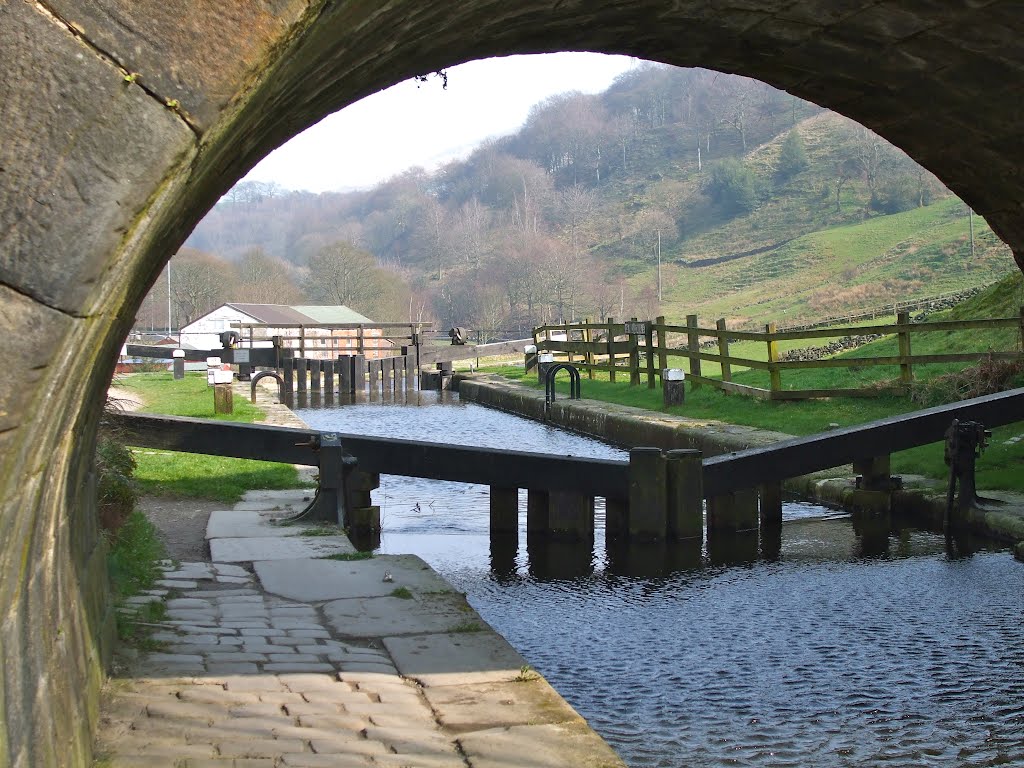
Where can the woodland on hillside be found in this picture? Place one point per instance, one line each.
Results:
(568, 217)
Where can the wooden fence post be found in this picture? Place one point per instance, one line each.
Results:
(611, 349)
(634, 358)
(774, 374)
(302, 341)
(693, 342)
(649, 343)
(906, 371)
(723, 350)
(662, 343)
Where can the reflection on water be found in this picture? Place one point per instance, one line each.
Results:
(832, 642)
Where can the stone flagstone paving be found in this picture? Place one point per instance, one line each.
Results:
(247, 678)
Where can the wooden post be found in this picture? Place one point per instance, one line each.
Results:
(770, 508)
(648, 503)
(673, 387)
(300, 374)
(374, 371)
(359, 340)
(314, 376)
(358, 372)
(302, 341)
(536, 511)
(875, 473)
(662, 343)
(773, 357)
(723, 350)
(288, 371)
(223, 399)
(570, 515)
(568, 338)
(345, 386)
(634, 358)
(504, 510)
(328, 368)
(906, 371)
(733, 512)
(616, 515)
(693, 342)
(611, 349)
(387, 370)
(685, 494)
(649, 343)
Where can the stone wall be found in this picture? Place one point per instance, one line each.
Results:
(125, 120)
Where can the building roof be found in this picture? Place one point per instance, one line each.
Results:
(332, 314)
(272, 314)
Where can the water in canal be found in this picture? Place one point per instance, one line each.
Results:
(831, 646)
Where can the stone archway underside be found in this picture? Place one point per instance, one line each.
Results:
(124, 121)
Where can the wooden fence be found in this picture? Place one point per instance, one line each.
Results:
(642, 350)
(328, 340)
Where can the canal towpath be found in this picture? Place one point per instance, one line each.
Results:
(286, 648)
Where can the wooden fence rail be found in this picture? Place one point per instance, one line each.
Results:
(641, 349)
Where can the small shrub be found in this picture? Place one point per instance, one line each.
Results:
(986, 378)
(116, 493)
(401, 593)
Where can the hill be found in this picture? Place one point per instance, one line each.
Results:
(761, 206)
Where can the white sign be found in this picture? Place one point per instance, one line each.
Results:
(241, 355)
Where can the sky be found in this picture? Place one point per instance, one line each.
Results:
(406, 126)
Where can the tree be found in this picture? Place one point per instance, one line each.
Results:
(793, 157)
(340, 273)
(262, 279)
(199, 283)
(733, 186)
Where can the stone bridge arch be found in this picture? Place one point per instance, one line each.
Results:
(125, 120)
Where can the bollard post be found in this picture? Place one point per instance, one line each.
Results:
(223, 396)
(529, 357)
(733, 512)
(673, 387)
(648, 505)
(544, 361)
(179, 363)
(685, 494)
(504, 510)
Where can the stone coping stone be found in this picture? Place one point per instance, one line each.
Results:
(530, 700)
(456, 658)
(390, 616)
(312, 581)
(248, 524)
(251, 549)
(562, 745)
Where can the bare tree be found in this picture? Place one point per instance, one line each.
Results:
(343, 274)
(199, 282)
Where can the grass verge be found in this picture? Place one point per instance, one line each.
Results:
(133, 567)
(168, 473)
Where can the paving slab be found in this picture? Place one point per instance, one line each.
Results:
(390, 616)
(237, 524)
(529, 700)
(313, 581)
(461, 658)
(247, 550)
(565, 745)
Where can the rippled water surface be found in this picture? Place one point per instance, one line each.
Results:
(833, 645)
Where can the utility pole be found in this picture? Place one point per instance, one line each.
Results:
(168, 299)
(659, 265)
(970, 218)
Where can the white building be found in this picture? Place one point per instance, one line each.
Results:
(314, 331)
